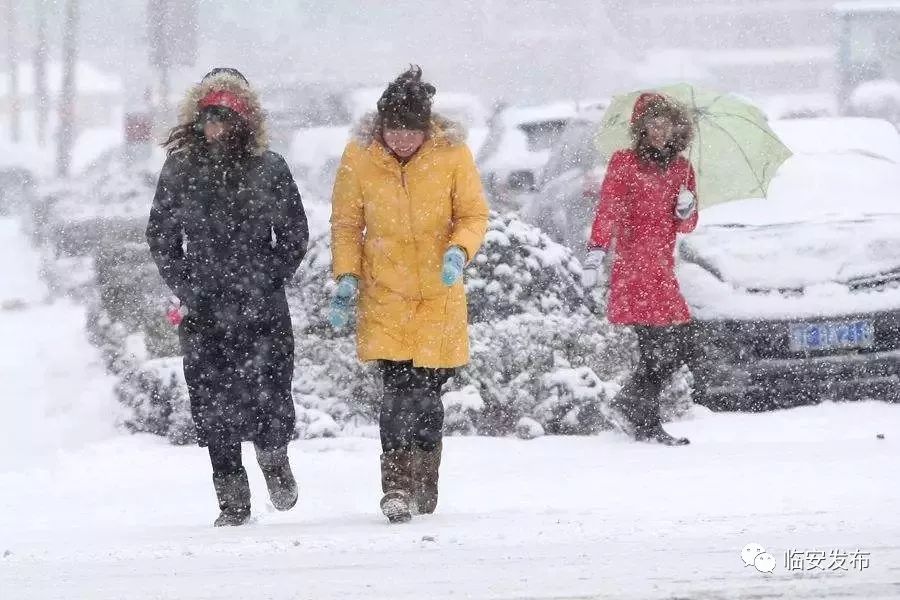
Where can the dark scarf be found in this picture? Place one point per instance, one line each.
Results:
(659, 157)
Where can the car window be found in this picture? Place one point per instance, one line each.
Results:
(575, 148)
(542, 134)
(563, 151)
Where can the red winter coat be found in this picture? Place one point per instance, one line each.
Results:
(636, 219)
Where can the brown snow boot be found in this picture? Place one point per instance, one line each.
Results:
(396, 483)
(426, 464)
(276, 469)
(233, 493)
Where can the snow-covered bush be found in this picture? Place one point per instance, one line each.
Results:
(461, 411)
(133, 293)
(328, 377)
(326, 369)
(532, 320)
(310, 292)
(571, 398)
(512, 358)
(107, 335)
(156, 395)
(521, 270)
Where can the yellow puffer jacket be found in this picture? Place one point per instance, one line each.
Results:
(391, 225)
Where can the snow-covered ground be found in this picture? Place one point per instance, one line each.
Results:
(87, 512)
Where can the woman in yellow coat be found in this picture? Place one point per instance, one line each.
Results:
(408, 212)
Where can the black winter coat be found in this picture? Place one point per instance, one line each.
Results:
(226, 235)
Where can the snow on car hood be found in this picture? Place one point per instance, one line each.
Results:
(825, 242)
(791, 257)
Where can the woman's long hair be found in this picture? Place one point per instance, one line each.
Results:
(189, 138)
(184, 138)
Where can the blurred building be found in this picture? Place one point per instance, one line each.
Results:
(776, 49)
(99, 93)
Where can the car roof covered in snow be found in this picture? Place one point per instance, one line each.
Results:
(841, 134)
(558, 111)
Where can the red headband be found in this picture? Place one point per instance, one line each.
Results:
(227, 100)
(643, 103)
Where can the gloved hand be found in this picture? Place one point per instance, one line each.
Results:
(592, 269)
(454, 262)
(343, 300)
(176, 312)
(686, 204)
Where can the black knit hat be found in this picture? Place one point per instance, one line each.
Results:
(226, 71)
(406, 102)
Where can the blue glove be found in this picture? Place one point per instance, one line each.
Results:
(343, 300)
(454, 261)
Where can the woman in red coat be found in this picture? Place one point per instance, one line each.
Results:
(647, 198)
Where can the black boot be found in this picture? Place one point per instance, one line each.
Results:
(276, 469)
(396, 483)
(656, 434)
(233, 492)
(426, 465)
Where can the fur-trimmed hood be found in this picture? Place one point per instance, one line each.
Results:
(189, 110)
(651, 105)
(443, 131)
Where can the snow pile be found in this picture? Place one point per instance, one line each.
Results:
(879, 98)
(56, 395)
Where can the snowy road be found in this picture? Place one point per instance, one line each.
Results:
(89, 513)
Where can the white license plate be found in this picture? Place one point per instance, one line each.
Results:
(832, 336)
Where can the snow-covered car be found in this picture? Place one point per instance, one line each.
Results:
(569, 189)
(796, 297)
(518, 147)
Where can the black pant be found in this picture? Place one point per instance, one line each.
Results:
(225, 456)
(411, 410)
(663, 350)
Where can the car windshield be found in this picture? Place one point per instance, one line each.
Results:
(542, 134)
(576, 148)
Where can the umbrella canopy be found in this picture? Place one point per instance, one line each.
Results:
(734, 152)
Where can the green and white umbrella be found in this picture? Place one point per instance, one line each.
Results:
(734, 152)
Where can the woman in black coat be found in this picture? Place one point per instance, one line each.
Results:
(226, 230)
